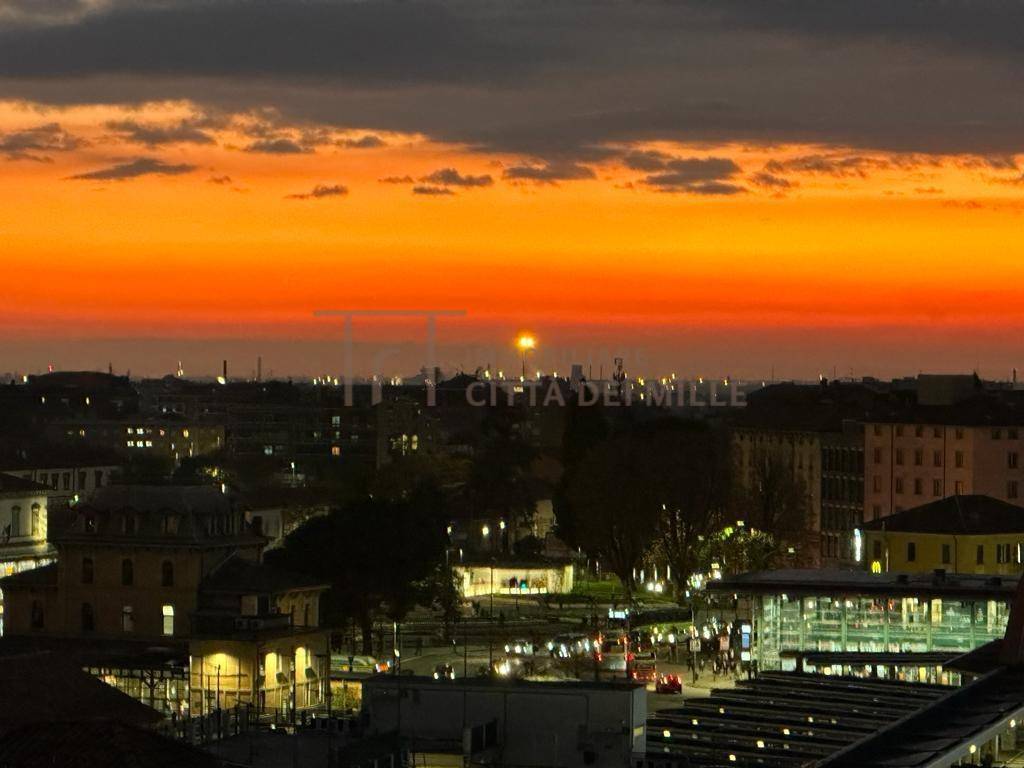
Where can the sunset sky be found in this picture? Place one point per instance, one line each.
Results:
(728, 187)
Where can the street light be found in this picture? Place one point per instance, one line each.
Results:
(525, 343)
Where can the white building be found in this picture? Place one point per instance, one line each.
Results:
(23, 524)
(510, 722)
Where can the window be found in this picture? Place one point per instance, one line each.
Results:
(936, 487)
(959, 434)
(937, 458)
(335, 450)
(127, 619)
(899, 485)
(170, 525)
(37, 615)
(911, 551)
(167, 574)
(876, 483)
(99, 478)
(878, 430)
(81, 480)
(959, 459)
(127, 572)
(918, 431)
(1011, 434)
(980, 556)
(89, 523)
(937, 432)
(1011, 489)
(66, 477)
(876, 511)
(958, 488)
(878, 455)
(899, 457)
(1002, 553)
(15, 522)
(128, 525)
(899, 430)
(1012, 460)
(37, 522)
(87, 570)
(88, 619)
(335, 421)
(168, 613)
(946, 554)
(918, 486)
(918, 457)
(997, 434)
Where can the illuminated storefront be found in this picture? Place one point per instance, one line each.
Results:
(797, 612)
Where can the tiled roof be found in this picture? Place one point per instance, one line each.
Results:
(955, 515)
(15, 484)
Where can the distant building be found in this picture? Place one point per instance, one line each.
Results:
(959, 534)
(175, 568)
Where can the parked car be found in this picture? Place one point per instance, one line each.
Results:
(668, 684)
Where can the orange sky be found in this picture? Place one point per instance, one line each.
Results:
(903, 242)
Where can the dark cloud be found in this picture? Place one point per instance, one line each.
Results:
(990, 162)
(369, 141)
(427, 190)
(131, 169)
(697, 175)
(397, 180)
(219, 180)
(278, 147)
(769, 181)
(549, 173)
(319, 191)
(829, 165)
(156, 134)
(449, 177)
(28, 143)
(528, 79)
(645, 160)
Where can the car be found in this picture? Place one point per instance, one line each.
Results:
(444, 672)
(668, 684)
(520, 648)
(644, 671)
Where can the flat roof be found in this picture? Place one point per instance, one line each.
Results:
(808, 581)
(536, 686)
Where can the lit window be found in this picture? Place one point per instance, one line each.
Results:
(168, 614)
(335, 450)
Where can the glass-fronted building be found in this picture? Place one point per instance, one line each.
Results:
(878, 624)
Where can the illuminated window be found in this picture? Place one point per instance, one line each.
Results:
(37, 527)
(335, 450)
(168, 615)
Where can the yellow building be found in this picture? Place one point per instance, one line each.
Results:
(958, 534)
(177, 570)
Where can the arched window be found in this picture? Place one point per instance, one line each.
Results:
(167, 574)
(305, 615)
(88, 620)
(37, 521)
(127, 572)
(15, 522)
(37, 615)
(87, 570)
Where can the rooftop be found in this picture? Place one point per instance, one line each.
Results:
(808, 581)
(958, 515)
(240, 576)
(14, 484)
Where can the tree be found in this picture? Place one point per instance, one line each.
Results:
(377, 553)
(776, 499)
(500, 483)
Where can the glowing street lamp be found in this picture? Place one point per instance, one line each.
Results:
(526, 343)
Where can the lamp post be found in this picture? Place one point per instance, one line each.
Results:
(525, 343)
